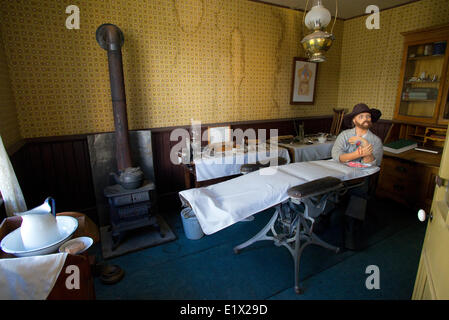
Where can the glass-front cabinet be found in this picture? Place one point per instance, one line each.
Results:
(421, 115)
(423, 90)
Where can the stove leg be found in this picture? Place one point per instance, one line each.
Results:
(158, 228)
(116, 239)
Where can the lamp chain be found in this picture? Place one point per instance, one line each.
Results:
(304, 17)
(336, 13)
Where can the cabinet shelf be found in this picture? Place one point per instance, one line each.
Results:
(425, 139)
(435, 139)
(420, 136)
(419, 82)
(418, 100)
(426, 57)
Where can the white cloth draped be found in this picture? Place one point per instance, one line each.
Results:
(228, 164)
(223, 204)
(30, 278)
(9, 186)
(305, 152)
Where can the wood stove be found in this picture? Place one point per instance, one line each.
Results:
(130, 209)
(130, 199)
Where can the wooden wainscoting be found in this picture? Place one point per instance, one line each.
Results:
(60, 166)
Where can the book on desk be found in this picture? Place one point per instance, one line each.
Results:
(400, 146)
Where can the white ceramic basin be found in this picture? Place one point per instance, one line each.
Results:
(13, 243)
(87, 241)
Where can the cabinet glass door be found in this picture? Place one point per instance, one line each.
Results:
(421, 83)
(445, 102)
(446, 108)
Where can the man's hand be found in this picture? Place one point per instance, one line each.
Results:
(365, 150)
(353, 140)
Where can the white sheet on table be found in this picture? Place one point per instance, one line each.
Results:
(304, 152)
(229, 164)
(30, 278)
(223, 204)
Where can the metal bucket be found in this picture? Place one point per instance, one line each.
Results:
(192, 228)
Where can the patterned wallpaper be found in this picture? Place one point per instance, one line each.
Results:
(371, 59)
(210, 60)
(9, 125)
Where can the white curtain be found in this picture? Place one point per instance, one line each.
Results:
(9, 186)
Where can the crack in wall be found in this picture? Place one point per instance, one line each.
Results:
(278, 63)
(237, 65)
(178, 17)
(217, 60)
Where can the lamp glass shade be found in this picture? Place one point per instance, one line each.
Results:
(318, 17)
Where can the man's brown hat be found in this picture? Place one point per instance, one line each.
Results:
(362, 108)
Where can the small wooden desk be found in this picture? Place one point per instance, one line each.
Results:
(409, 178)
(421, 157)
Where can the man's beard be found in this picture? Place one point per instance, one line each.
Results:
(363, 125)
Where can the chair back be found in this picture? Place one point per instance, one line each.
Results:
(337, 121)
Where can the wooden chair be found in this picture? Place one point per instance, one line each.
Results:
(337, 121)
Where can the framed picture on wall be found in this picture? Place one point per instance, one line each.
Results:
(303, 81)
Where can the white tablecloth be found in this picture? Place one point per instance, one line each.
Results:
(223, 204)
(228, 164)
(310, 152)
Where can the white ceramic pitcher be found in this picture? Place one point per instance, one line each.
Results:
(39, 227)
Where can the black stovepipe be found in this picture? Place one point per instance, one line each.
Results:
(111, 38)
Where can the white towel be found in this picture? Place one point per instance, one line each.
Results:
(223, 204)
(29, 278)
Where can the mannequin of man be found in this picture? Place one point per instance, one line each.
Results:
(358, 144)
